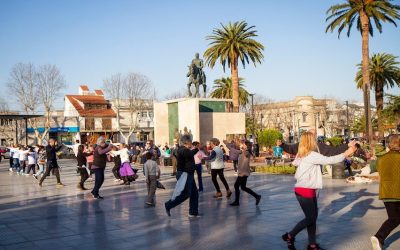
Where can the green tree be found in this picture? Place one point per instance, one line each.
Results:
(223, 89)
(268, 137)
(230, 44)
(363, 13)
(358, 125)
(384, 72)
(392, 109)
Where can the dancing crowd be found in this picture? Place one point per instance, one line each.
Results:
(188, 157)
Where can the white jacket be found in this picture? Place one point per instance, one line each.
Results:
(123, 153)
(308, 174)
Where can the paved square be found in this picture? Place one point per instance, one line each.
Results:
(65, 218)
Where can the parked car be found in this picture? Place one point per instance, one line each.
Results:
(5, 152)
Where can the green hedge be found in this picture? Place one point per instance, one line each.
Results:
(288, 169)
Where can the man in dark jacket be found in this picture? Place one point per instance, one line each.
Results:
(51, 165)
(186, 167)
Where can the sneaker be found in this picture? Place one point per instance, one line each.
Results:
(194, 216)
(376, 245)
(315, 247)
(116, 180)
(229, 194)
(258, 200)
(234, 204)
(98, 197)
(10, 169)
(168, 211)
(60, 184)
(289, 241)
(150, 204)
(218, 195)
(235, 174)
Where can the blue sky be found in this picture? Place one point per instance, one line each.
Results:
(91, 40)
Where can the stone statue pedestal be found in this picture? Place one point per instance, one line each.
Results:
(203, 118)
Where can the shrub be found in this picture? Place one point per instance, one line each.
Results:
(287, 169)
(336, 141)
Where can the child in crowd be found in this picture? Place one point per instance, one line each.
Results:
(81, 157)
(197, 161)
(89, 160)
(152, 173)
(22, 159)
(32, 160)
(41, 160)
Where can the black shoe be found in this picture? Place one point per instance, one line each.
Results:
(316, 247)
(98, 197)
(258, 200)
(289, 241)
(234, 204)
(167, 210)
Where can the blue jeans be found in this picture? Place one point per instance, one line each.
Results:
(98, 180)
(199, 170)
(190, 192)
(16, 164)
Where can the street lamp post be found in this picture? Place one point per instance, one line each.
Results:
(252, 113)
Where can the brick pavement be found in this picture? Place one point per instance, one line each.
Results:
(65, 218)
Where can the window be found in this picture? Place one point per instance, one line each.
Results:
(89, 123)
(304, 116)
(144, 114)
(151, 115)
(106, 124)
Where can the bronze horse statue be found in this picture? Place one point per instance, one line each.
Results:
(197, 77)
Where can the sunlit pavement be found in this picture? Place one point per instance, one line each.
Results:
(65, 218)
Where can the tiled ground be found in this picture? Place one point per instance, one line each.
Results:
(65, 218)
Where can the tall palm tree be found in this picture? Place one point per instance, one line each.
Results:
(363, 12)
(384, 71)
(229, 44)
(223, 89)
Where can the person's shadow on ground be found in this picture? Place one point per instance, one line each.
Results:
(391, 239)
(359, 209)
(348, 198)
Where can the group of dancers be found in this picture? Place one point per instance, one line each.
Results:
(310, 156)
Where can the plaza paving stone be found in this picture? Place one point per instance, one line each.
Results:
(65, 218)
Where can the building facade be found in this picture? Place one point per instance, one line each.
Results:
(326, 116)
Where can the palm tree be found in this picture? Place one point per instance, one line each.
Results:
(363, 12)
(384, 71)
(231, 43)
(223, 89)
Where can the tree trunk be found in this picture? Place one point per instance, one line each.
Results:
(235, 84)
(379, 107)
(365, 74)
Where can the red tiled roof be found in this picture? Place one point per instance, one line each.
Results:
(90, 99)
(98, 92)
(84, 87)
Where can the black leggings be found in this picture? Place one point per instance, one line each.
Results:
(115, 171)
(220, 173)
(84, 175)
(310, 209)
(393, 221)
(31, 167)
(241, 182)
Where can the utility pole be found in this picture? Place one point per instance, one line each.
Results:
(347, 118)
(252, 113)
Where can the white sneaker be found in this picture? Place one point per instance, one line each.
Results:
(10, 169)
(116, 180)
(90, 179)
(376, 245)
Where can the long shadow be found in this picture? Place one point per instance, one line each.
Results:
(359, 209)
(346, 199)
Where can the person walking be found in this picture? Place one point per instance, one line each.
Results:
(198, 157)
(234, 152)
(152, 173)
(32, 160)
(217, 168)
(388, 167)
(81, 164)
(99, 165)
(51, 165)
(89, 160)
(41, 161)
(308, 180)
(243, 174)
(174, 156)
(186, 186)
